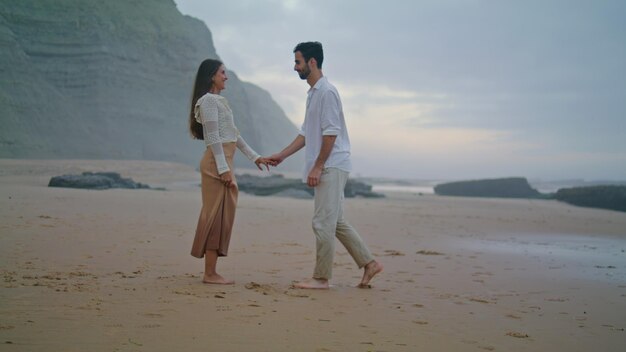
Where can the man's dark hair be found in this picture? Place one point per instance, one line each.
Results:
(311, 50)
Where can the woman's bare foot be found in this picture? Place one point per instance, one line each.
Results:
(371, 269)
(312, 284)
(216, 279)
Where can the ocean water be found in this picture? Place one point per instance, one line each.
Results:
(381, 188)
(575, 256)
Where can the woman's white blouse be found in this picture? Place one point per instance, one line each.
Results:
(218, 126)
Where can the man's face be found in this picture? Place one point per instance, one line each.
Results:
(301, 66)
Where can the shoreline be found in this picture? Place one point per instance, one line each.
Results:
(111, 270)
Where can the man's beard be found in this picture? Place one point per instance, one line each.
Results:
(304, 74)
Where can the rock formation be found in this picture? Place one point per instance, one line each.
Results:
(113, 79)
(95, 180)
(513, 187)
(278, 185)
(605, 197)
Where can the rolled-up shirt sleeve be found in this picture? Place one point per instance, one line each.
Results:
(331, 114)
(302, 131)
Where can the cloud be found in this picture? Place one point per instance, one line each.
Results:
(478, 84)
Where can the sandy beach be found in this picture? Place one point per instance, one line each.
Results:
(110, 270)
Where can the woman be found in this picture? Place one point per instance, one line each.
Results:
(212, 120)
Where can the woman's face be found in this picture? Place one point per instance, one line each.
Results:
(219, 79)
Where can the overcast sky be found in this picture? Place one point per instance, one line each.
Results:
(448, 89)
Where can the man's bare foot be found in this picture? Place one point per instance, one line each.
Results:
(371, 269)
(312, 284)
(217, 280)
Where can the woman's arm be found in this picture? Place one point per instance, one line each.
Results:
(251, 154)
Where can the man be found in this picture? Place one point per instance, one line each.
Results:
(327, 166)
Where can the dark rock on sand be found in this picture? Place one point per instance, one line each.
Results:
(95, 180)
(270, 185)
(360, 189)
(513, 187)
(278, 185)
(604, 197)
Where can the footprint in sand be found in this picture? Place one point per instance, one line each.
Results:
(518, 335)
(297, 293)
(424, 252)
(480, 300)
(481, 273)
(557, 299)
(270, 290)
(393, 253)
(260, 288)
(152, 315)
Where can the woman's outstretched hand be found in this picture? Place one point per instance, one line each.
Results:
(264, 161)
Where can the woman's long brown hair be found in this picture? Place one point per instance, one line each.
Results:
(204, 80)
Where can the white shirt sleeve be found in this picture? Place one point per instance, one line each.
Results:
(246, 149)
(302, 131)
(210, 128)
(331, 114)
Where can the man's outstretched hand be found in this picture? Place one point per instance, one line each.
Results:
(275, 159)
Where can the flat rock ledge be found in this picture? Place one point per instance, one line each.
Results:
(511, 187)
(278, 185)
(96, 180)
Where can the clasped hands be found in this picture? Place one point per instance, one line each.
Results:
(273, 160)
(269, 161)
(227, 177)
(312, 180)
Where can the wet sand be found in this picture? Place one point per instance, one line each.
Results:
(111, 271)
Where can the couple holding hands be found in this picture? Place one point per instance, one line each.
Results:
(327, 165)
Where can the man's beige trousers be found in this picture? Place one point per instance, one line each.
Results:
(328, 223)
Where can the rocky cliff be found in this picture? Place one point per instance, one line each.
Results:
(611, 197)
(113, 79)
(512, 187)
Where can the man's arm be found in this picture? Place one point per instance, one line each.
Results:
(316, 172)
(297, 144)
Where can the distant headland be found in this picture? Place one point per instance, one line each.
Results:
(612, 197)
